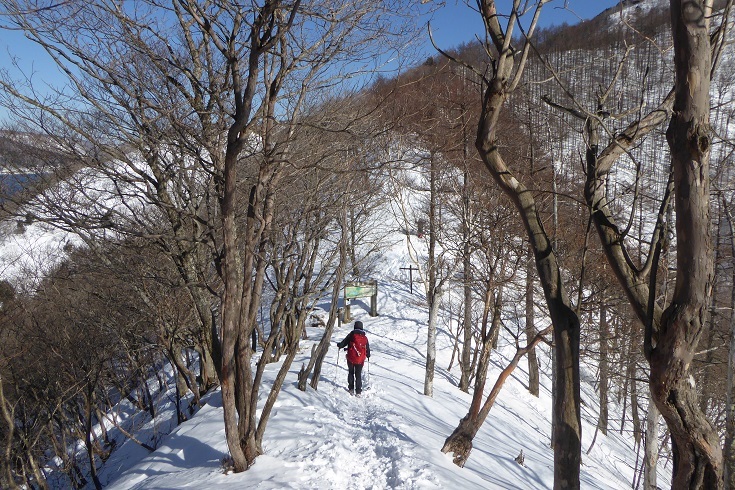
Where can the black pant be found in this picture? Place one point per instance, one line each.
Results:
(354, 377)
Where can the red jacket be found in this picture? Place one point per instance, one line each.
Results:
(358, 347)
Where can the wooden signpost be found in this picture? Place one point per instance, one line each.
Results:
(361, 289)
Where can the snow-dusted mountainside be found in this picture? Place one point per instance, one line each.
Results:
(392, 435)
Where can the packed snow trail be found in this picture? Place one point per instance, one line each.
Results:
(368, 448)
(389, 438)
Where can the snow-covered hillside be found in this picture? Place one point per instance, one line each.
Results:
(392, 435)
(388, 438)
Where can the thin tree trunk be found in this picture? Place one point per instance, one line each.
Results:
(185, 379)
(634, 412)
(433, 291)
(292, 350)
(321, 351)
(40, 478)
(603, 421)
(231, 305)
(533, 371)
(626, 383)
(466, 364)
(712, 320)
(554, 354)
(8, 414)
(431, 346)
(88, 438)
(730, 406)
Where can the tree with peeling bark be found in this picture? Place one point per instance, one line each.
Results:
(696, 446)
(672, 333)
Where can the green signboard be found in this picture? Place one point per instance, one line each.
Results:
(361, 289)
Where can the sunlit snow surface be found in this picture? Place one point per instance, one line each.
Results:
(392, 435)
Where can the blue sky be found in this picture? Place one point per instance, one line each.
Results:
(452, 24)
(456, 23)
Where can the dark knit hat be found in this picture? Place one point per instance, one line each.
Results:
(358, 325)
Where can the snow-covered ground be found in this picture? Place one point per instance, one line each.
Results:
(389, 438)
(392, 435)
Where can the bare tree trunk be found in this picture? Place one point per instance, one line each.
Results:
(634, 412)
(554, 354)
(623, 394)
(433, 289)
(730, 403)
(695, 444)
(88, 444)
(466, 364)
(185, 378)
(320, 352)
(711, 321)
(40, 478)
(8, 415)
(567, 434)
(207, 366)
(603, 421)
(431, 345)
(533, 371)
(651, 452)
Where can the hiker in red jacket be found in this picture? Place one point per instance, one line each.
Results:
(358, 349)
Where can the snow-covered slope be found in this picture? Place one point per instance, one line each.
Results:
(392, 435)
(389, 438)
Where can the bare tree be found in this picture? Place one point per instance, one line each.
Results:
(218, 88)
(672, 335)
(495, 267)
(431, 125)
(729, 446)
(696, 446)
(506, 70)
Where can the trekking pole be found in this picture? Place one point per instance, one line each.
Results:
(336, 368)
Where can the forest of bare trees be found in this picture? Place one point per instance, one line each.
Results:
(218, 165)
